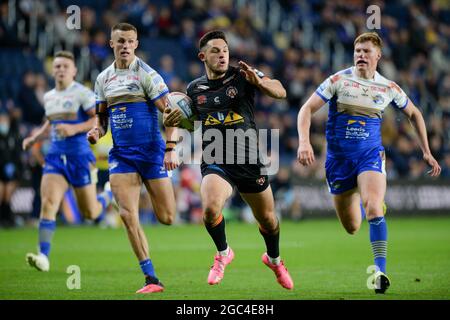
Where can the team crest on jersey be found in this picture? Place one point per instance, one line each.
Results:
(132, 87)
(260, 181)
(232, 92)
(378, 99)
(201, 99)
(67, 104)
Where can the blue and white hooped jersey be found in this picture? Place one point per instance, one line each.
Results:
(129, 94)
(68, 106)
(356, 107)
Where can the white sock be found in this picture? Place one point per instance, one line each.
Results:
(275, 261)
(225, 252)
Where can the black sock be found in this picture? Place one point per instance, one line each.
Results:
(217, 233)
(272, 242)
(2, 212)
(152, 280)
(6, 214)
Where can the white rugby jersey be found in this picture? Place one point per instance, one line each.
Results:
(68, 106)
(129, 94)
(356, 109)
(138, 83)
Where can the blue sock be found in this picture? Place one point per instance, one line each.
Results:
(105, 199)
(147, 268)
(46, 231)
(363, 211)
(378, 240)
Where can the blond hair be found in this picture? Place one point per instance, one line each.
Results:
(64, 54)
(370, 36)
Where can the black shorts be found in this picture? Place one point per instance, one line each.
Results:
(246, 178)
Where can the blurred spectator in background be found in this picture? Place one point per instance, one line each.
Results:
(10, 162)
(32, 110)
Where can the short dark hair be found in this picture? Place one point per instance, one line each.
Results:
(64, 54)
(215, 34)
(123, 26)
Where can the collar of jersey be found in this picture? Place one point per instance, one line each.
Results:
(129, 67)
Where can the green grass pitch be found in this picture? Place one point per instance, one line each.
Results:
(324, 262)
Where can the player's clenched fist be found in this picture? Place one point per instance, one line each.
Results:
(94, 135)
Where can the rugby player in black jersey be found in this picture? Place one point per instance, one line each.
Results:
(223, 100)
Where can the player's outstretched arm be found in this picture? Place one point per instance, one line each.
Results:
(417, 121)
(305, 153)
(29, 141)
(271, 87)
(100, 125)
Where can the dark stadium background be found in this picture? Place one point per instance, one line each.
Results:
(298, 42)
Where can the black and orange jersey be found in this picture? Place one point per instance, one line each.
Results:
(227, 106)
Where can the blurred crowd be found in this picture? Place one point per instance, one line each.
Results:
(298, 42)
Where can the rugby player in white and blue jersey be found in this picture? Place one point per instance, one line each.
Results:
(70, 112)
(354, 165)
(129, 94)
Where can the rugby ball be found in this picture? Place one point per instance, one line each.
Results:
(179, 100)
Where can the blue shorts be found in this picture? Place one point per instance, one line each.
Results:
(76, 168)
(146, 160)
(342, 174)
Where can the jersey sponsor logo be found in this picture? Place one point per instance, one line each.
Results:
(233, 118)
(211, 121)
(356, 132)
(378, 89)
(201, 99)
(111, 79)
(350, 122)
(335, 78)
(232, 92)
(351, 84)
(348, 95)
(218, 118)
(365, 92)
(393, 85)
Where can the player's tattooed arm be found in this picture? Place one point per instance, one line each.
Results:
(101, 123)
(271, 87)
